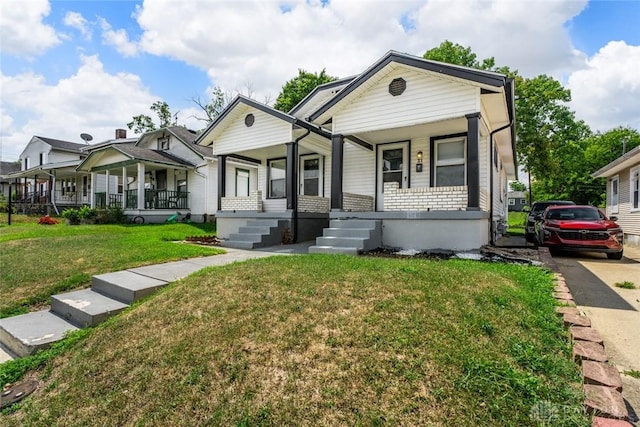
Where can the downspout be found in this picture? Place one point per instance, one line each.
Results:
(206, 190)
(294, 218)
(491, 151)
(52, 192)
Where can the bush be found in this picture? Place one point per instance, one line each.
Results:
(71, 214)
(111, 216)
(47, 220)
(87, 212)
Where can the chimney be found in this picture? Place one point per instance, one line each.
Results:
(121, 133)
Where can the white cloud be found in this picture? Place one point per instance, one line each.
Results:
(119, 39)
(91, 101)
(21, 28)
(77, 21)
(605, 93)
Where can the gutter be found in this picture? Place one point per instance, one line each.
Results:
(491, 151)
(294, 217)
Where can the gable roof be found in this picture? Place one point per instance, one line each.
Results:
(628, 159)
(186, 136)
(485, 79)
(319, 96)
(7, 168)
(136, 154)
(63, 145)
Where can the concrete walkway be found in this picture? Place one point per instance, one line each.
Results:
(614, 312)
(110, 293)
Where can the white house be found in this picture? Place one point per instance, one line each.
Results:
(623, 193)
(411, 153)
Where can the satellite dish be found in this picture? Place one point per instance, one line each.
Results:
(86, 137)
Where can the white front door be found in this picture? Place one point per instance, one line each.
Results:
(393, 166)
(311, 175)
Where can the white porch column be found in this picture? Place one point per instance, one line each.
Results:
(125, 187)
(106, 188)
(92, 193)
(140, 185)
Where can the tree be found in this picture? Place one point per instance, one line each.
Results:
(143, 123)
(453, 53)
(517, 186)
(298, 87)
(213, 109)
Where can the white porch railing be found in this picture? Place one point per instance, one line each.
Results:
(352, 202)
(313, 204)
(252, 202)
(424, 198)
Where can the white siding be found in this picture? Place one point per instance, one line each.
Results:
(267, 130)
(197, 188)
(419, 179)
(426, 99)
(176, 148)
(629, 221)
(484, 160)
(359, 171)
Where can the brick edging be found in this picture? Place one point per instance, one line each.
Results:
(602, 383)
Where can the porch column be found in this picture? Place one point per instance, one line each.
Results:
(34, 195)
(125, 187)
(107, 175)
(92, 193)
(291, 187)
(140, 185)
(473, 161)
(50, 188)
(222, 179)
(337, 160)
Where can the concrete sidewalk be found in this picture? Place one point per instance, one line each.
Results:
(110, 293)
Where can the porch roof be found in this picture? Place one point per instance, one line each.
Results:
(133, 155)
(45, 169)
(186, 136)
(628, 159)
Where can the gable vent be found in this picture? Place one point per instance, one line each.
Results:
(397, 86)
(249, 120)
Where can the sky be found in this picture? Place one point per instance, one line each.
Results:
(72, 67)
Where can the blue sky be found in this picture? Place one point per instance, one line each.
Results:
(68, 67)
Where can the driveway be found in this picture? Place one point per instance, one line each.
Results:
(614, 312)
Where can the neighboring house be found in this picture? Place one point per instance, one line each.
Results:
(411, 153)
(623, 193)
(48, 180)
(517, 200)
(157, 175)
(7, 168)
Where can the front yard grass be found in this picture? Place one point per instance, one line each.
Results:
(323, 340)
(38, 261)
(517, 222)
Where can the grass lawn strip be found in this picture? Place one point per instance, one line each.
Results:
(41, 260)
(322, 340)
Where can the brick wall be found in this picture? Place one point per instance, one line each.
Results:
(356, 203)
(424, 198)
(253, 202)
(313, 204)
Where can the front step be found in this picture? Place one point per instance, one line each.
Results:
(257, 233)
(27, 333)
(125, 286)
(349, 236)
(85, 307)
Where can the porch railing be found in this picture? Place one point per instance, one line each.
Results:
(451, 198)
(166, 199)
(70, 197)
(252, 202)
(35, 197)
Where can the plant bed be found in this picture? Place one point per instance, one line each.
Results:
(204, 240)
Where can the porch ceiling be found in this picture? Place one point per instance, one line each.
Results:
(444, 127)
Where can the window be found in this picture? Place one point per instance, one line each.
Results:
(26, 163)
(450, 168)
(242, 182)
(512, 202)
(635, 188)
(277, 178)
(311, 175)
(163, 143)
(181, 185)
(41, 158)
(614, 194)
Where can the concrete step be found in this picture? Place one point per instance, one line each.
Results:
(349, 242)
(363, 233)
(27, 333)
(125, 286)
(254, 230)
(236, 244)
(266, 223)
(333, 250)
(85, 308)
(247, 237)
(355, 223)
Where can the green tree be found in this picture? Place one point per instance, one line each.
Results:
(214, 107)
(517, 186)
(298, 87)
(143, 123)
(453, 53)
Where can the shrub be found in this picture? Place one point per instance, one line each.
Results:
(87, 212)
(111, 216)
(47, 220)
(73, 215)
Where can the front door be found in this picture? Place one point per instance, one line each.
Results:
(393, 166)
(311, 175)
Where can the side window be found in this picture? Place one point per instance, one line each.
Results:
(635, 188)
(450, 168)
(242, 182)
(614, 194)
(277, 178)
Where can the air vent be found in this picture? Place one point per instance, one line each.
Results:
(397, 86)
(249, 120)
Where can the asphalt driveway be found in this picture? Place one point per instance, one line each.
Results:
(614, 312)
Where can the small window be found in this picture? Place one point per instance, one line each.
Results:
(635, 188)
(242, 182)
(181, 185)
(26, 163)
(163, 143)
(450, 168)
(614, 194)
(277, 178)
(512, 202)
(41, 158)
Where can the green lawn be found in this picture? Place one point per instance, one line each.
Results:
(322, 340)
(40, 260)
(517, 222)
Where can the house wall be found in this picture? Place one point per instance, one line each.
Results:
(35, 147)
(627, 219)
(426, 99)
(267, 130)
(359, 171)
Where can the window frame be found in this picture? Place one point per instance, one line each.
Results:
(634, 187)
(248, 172)
(269, 163)
(437, 142)
(320, 178)
(164, 143)
(615, 206)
